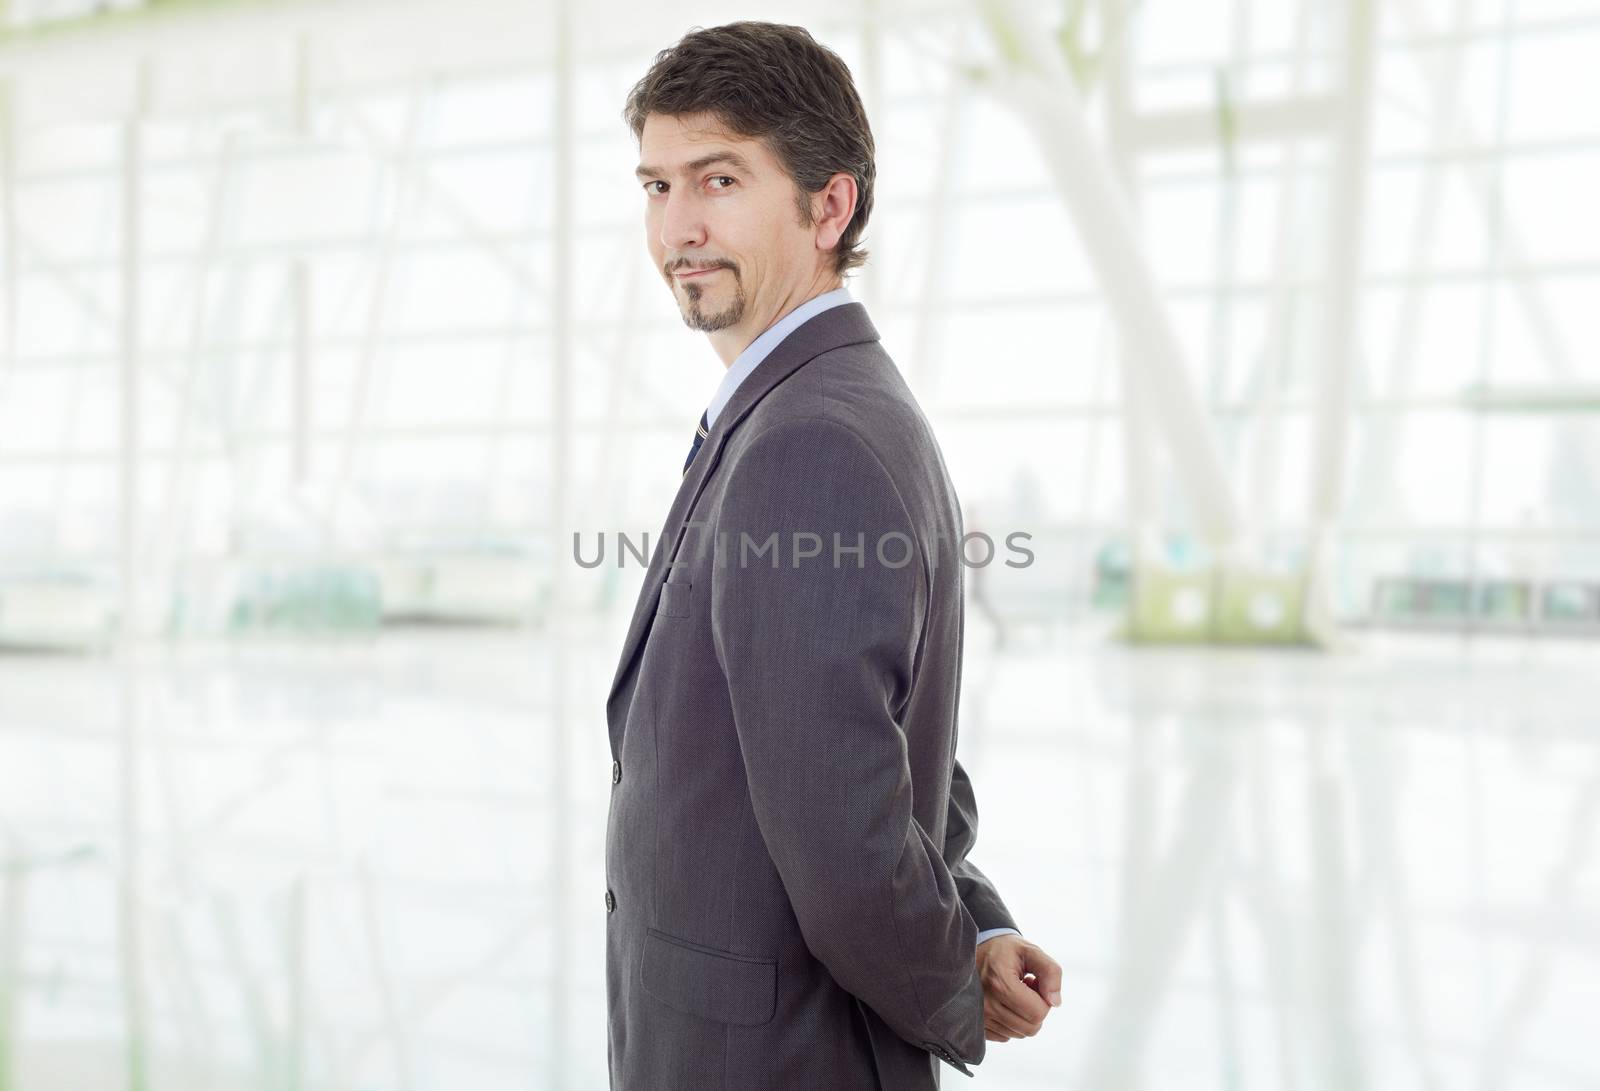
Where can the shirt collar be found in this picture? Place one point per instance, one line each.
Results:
(757, 350)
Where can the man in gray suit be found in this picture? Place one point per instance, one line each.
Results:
(790, 906)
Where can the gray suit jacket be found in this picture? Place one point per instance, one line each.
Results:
(789, 899)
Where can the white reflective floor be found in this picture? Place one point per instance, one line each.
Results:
(375, 866)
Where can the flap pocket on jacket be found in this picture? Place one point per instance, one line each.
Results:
(716, 985)
(674, 599)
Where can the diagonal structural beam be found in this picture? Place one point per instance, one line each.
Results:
(1038, 85)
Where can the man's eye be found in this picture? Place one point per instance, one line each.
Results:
(716, 176)
(653, 182)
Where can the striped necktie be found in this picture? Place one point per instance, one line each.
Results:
(699, 437)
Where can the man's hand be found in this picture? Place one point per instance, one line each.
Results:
(1020, 985)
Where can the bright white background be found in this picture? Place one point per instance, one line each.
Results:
(297, 395)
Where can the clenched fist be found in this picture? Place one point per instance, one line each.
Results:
(1020, 985)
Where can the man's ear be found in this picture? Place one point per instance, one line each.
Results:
(832, 208)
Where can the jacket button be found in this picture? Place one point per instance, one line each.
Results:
(611, 902)
(616, 772)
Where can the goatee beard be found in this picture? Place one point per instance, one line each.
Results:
(697, 318)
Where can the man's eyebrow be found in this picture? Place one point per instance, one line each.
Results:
(733, 159)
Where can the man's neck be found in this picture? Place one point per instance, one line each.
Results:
(729, 343)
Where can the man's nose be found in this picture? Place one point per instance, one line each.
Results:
(681, 224)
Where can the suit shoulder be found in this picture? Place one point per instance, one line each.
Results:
(856, 388)
(809, 437)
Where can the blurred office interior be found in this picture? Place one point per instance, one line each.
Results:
(328, 323)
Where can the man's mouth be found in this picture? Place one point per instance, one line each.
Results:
(691, 274)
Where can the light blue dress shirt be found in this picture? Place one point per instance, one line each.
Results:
(757, 350)
(746, 362)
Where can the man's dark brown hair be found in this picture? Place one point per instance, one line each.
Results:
(775, 83)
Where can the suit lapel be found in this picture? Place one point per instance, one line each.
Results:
(846, 324)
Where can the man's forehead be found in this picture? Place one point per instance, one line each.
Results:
(700, 126)
(669, 144)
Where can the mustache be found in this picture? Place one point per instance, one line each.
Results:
(684, 266)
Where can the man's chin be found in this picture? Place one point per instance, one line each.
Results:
(709, 323)
(698, 319)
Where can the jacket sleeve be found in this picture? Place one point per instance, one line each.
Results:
(819, 655)
(978, 892)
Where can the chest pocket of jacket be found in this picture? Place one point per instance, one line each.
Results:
(716, 985)
(674, 600)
